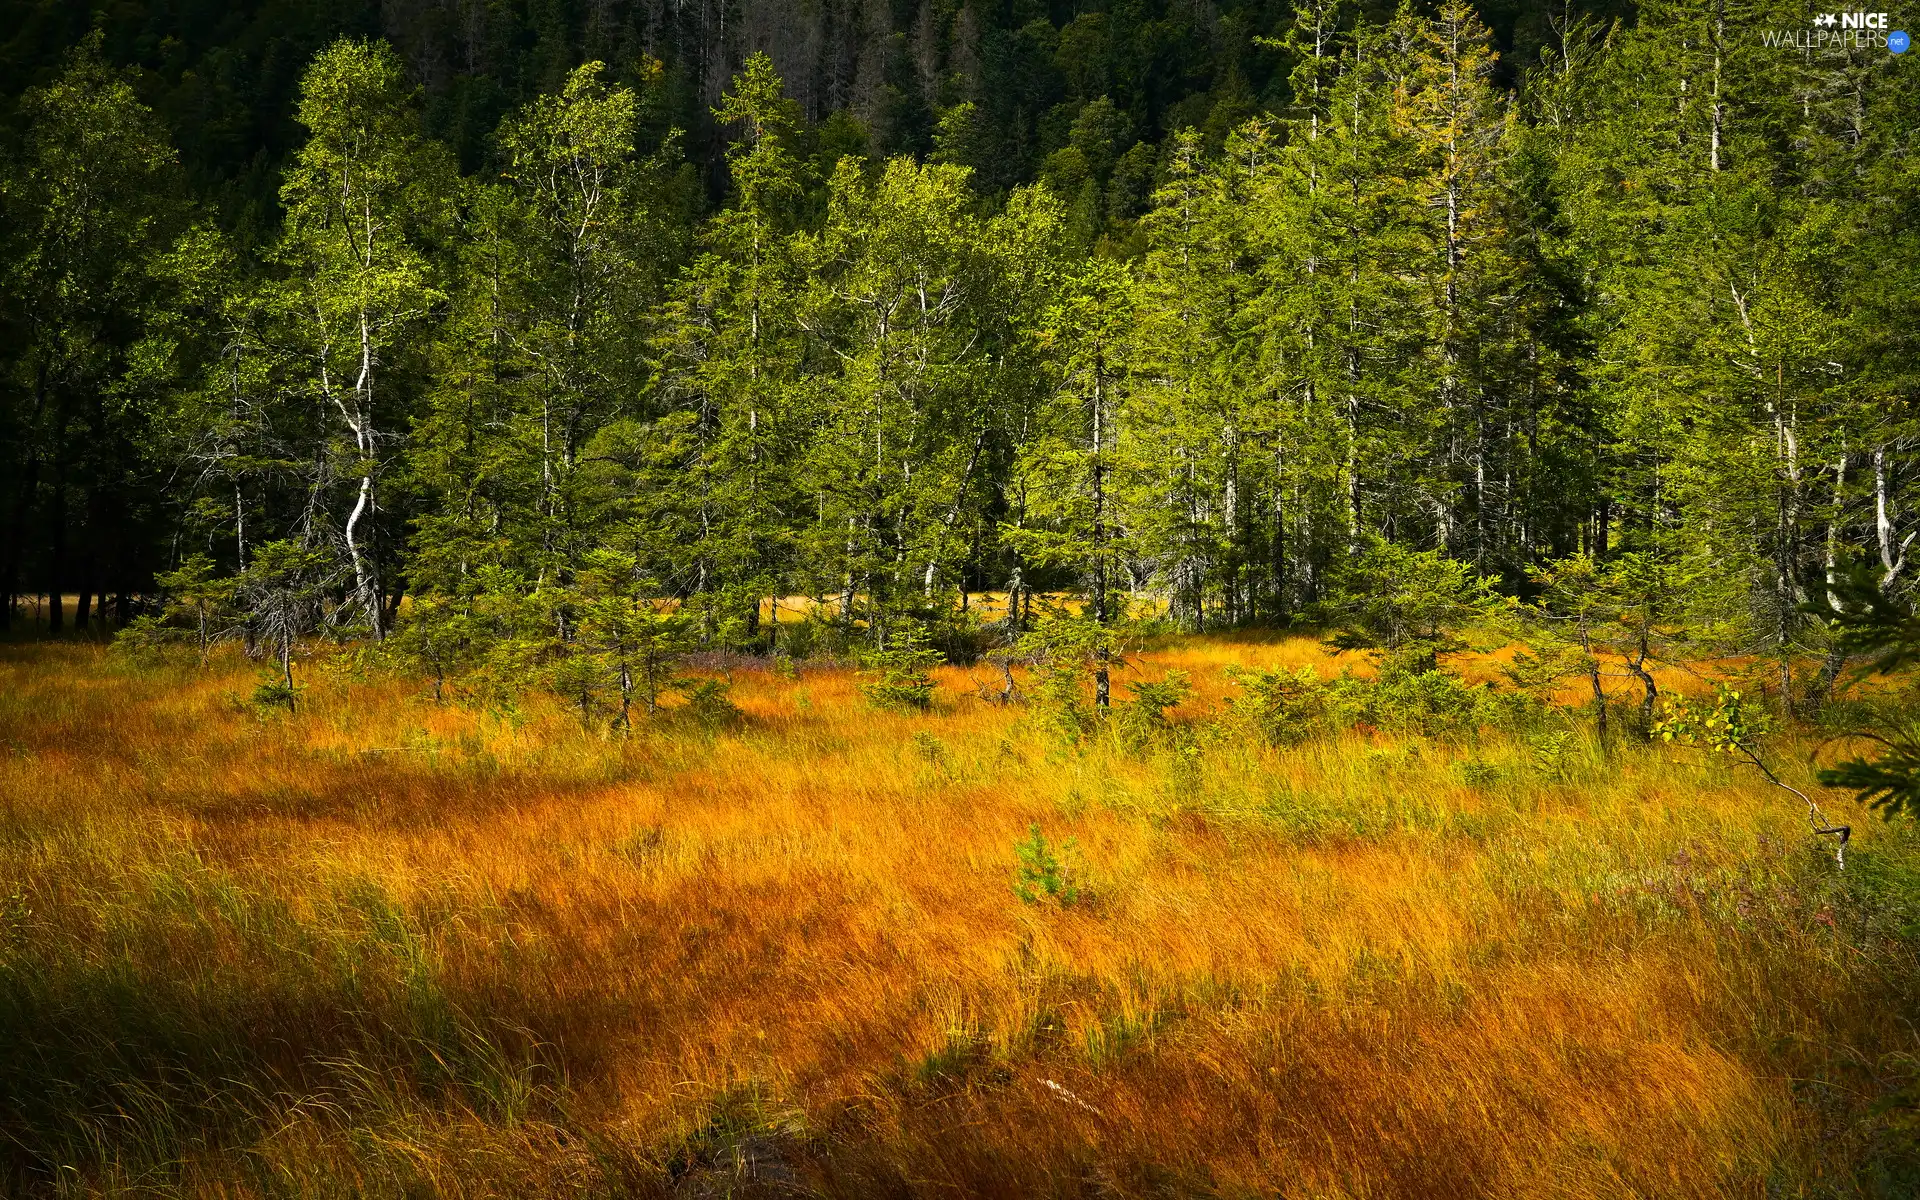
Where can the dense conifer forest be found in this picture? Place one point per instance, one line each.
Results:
(518, 320)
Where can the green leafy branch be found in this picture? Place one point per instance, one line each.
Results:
(1728, 726)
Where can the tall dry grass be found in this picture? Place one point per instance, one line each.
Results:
(393, 948)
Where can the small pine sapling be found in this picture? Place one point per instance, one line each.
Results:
(1407, 607)
(198, 604)
(1142, 718)
(1040, 875)
(283, 589)
(1066, 653)
(710, 706)
(898, 673)
(438, 637)
(1281, 707)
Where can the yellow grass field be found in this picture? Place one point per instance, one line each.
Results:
(386, 947)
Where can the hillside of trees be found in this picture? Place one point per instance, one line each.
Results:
(224, 77)
(506, 342)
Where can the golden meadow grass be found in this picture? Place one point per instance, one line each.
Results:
(394, 948)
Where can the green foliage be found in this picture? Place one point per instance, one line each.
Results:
(1549, 750)
(197, 605)
(1152, 699)
(283, 591)
(931, 749)
(633, 642)
(1889, 782)
(1408, 605)
(276, 691)
(1869, 620)
(1538, 672)
(1428, 703)
(365, 197)
(581, 685)
(1873, 622)
(1632, 608)
(1059, 699)
(439, 637)
(1280, 706)
(1040, 876)
(92, 205)
(1141, 718)
(709, 706)
(1359, 335)
(897, 674)
(1729, 725)
(1066, 653)
(1283, 707)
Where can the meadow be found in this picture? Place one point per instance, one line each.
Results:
(392, 947)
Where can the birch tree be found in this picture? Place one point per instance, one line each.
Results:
(366, 197)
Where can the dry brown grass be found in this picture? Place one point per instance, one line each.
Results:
(393, 948)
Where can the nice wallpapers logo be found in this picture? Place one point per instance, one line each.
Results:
(1843, 31)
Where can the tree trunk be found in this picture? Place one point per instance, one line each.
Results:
(1650, 692)
(1102, 682)
(57, 558)
(10, 569)
(1893, 559)
(1599, 702)
(1821, 689)
(89, 562)
(83, 603)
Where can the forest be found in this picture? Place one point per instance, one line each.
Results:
(1657, 302)
(1145, 598)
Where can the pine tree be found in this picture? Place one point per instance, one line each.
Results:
(1072, 518)
(729, 349)
(900, 283)
(544, 357)
(1204, 403)
(1458, 136)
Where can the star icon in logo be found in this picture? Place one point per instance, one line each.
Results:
(1826, 19)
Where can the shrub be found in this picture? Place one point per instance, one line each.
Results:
(710, 707)
(930, 748)
(1475, 772)
(1431, 703)
(438, 637)
(1549, 750)
(1058, 699)
(1152, 700)
(802, 638)
(1143, 716)
(1067, 653)
(197, 607)
(145, 636)
(1407, 604)
(1281, 707)
(898, 673)
(276, 691)
(1040, 875)
(578, 681)
(960, 637)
